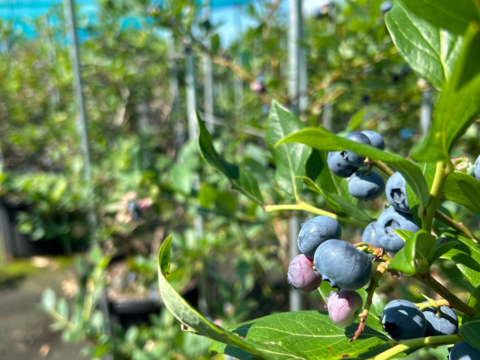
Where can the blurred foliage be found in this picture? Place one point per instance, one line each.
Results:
(139, 152)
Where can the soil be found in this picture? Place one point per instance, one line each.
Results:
(24, 328)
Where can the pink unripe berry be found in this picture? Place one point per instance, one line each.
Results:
(344, 307)
(301, 274)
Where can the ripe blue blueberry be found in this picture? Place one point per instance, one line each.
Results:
(315, 231)
(366, 187)
(388, 221)
(397, 193)
(344, 307)
(301, 274)
(476, 170)
(371, 234)
(463, 351)
(402, 320)
(338, 164)
(375, 139)
(447, 324)
(343, 265)
(352, 158)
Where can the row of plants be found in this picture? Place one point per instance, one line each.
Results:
(144, 178)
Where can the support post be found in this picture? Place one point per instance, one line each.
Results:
(426, 110)
(174, 93)
(208, 73)
(77, 82)
(192, 136)
(295, 59)
(328, 106)
(238, 83)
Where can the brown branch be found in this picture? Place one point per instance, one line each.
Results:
(441, 290)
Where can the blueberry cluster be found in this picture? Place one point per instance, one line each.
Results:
(403, 320)
(325, 258)
(363, 184)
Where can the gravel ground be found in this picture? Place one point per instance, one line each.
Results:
(24, 328)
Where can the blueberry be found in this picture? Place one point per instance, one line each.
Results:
(402, 320)
(371, 234)
(366, 187)
(375, 139)
(343, 265)
(447, 324)
(389, 220)
(301, 274)
(463, 351)
(315, 231)
(344, 307)
(339, 165)
(352, 158)
(477, 169)
(397, 192)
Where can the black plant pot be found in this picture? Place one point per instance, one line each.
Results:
(133, 312)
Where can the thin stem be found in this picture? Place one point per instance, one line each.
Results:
(314, 210)
(438, 214)
(60, 318)
(415, 343)
(441, 290)
(441, 173)
(370, 291)
(381, 166)
(457, 226)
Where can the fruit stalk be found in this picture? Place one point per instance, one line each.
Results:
(416, 343)
(441, 173)
(441, 290)
(370, 291)
(314, 210)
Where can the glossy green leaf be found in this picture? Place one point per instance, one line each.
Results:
(428, 171)
(452, 15)
(413, 257)
(241, 179)
(463, 189)
(461, 258)
(404, 234)
(207, 195)
(356, 120)
(443, 246)
(289, 159)
(471, 331)
(472, 64)
(49, 299)
(305, 335)
(195, 321)
(474, 299)
(322, 139)
(429, 50)
(454, 112)
(469, 247)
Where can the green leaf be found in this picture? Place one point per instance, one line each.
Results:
(132, 334)
(454, 112)
(207, 195)
(289, 159)
(322, 139)
(463, 189)
(471, 331)
(443, 246)
(316, 168)
(469, 247)
(472, 66)
(215, 43)
(452, 15)
(49, 299)
(429, 50)
(474, 300)
(306, 335)
(181, 179)
(414, 256)
(405, 235)
(356, 120)
(62, 308)
(241, 179)
(196, 322)
(461, 258)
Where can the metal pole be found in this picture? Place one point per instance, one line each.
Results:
(238, 83)
(294, 54)
(208, 76)
(174, 93)
(192, 135)
(328, 106)
(77, 80)
(426, 110)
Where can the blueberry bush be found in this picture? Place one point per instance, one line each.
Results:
(440, 43)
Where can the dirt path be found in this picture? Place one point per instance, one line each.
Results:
(24, 328)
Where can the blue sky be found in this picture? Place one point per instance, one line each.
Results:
(225, 11)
